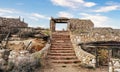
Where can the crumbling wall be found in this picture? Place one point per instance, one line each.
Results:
(80, 26)
(23, 60)
(99, 34)
(8, 23)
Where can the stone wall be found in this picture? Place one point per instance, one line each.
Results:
(22, 60)
(99, 34)
(86, 58)
(11, 22)
(80, 26)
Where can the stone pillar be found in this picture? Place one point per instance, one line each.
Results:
(52, 25)
(68, 27)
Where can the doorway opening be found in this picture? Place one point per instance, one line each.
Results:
(61, 27)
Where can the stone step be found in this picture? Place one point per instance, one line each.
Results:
(66, 44)
(65, 65)
(60, 36)
(75, 61)
(61, 51)
(60, 41)
(64, 47)
(63, 44)
(62, 54)
(69, 45)
(62, 57)
(54, 42)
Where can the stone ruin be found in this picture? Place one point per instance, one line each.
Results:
(17, 52)
(8, 23)
(86, 30)
(82, 26)
(83, 31)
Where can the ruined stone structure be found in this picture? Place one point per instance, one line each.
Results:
(8, 23)
(85, 30)
(80, 31)
(82, 26)
(57, 20)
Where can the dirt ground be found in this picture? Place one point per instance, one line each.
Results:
(49, 67)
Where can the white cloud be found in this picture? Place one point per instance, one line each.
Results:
(6, 10)
(12, 13)
(89, 4)
(38, 16)
(108, 8)
(98, 20)
(65, 14)
(9, 13)
(33, 18)
(10, 16)
(73, 3)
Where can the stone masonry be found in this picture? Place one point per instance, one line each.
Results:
(8, 23)
(82, 31)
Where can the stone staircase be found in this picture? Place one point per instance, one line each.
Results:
(61, 51)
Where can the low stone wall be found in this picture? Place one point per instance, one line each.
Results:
(86, 58)
(22, 60)
(95, 36)
(43, 52)
(114, 65)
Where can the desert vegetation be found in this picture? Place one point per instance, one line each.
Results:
(20, 50)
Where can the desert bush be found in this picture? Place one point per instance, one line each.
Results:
(26, 63)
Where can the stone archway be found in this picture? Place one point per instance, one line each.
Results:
(53, 22)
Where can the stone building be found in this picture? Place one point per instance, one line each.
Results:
(73, 24)
(8, 23)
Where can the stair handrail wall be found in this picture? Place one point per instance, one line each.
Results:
(86, 58)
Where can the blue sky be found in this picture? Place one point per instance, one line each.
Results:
(104, 13)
